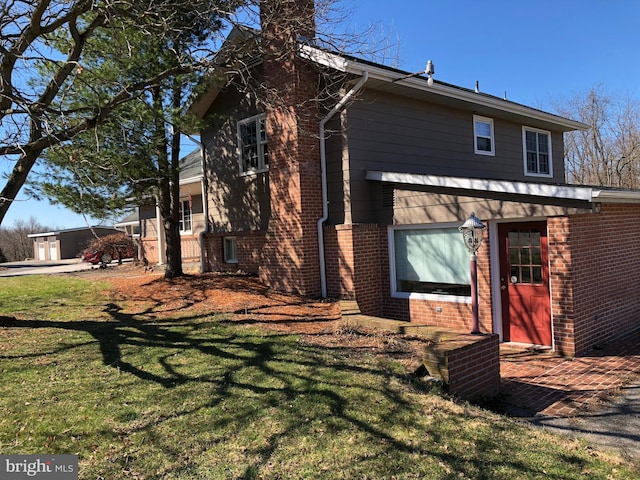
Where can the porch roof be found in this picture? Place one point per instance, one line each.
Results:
(533, 189)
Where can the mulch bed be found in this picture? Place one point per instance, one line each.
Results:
(244, 299)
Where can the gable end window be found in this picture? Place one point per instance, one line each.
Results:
(483, 135)
(252, 145)
(537, 152)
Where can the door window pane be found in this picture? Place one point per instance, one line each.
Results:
(525, 256)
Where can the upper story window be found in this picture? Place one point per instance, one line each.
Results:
(252, 145)
(537, 152)
(185, 216)
(483, 135)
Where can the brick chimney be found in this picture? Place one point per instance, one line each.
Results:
(290, 259)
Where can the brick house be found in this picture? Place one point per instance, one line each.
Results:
(360, 197)
(143, 224)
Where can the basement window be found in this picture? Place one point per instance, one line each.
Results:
(230, 250)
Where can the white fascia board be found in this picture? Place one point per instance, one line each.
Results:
(187, 181)
(567, 192)
(45, 234)
(343, 64)
(324, 58)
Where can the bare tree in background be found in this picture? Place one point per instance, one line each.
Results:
(14, 241)
(608, 154)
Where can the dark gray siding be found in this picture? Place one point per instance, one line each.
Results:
(391, 133)
(236, 202)
(72, 243)
(337, 175)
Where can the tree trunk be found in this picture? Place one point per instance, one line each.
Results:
(168, 190)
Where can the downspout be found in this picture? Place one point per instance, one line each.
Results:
(160, 228)
(205, 205)
(323, 175)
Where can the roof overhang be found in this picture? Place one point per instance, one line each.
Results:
(397, 81)
(239, 52)
(187, 181)
(544, 190)
(244, 44)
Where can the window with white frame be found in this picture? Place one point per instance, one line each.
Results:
(483, 135)
(230, 249)
(185, 216)
(537, 152)
(429, 261)
(252, 145)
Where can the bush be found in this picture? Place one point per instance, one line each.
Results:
(117, 245)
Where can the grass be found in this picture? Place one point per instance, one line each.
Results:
(200, 398)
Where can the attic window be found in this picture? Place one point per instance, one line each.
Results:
(252, 145)
(483, 135)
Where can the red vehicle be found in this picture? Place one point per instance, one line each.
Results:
(103, 250)
(96, 257)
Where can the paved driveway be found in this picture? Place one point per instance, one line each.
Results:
(33, 267)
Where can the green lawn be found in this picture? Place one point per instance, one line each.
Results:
(185, 398)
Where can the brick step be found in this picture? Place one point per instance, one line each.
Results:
(468, 364)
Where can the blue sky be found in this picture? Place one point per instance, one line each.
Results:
(536, 52)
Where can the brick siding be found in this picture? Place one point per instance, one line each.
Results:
(249, 248)
(290, 258)
(595, 276)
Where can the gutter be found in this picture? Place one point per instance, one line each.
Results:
(616, 196)
(323, 175)
(386, 74)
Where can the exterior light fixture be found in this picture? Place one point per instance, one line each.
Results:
(429, 71)
(472, 233)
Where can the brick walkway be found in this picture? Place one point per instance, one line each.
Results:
(544, 384)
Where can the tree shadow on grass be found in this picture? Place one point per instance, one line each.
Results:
(269, 377)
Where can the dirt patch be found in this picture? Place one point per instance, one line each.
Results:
(244, 299)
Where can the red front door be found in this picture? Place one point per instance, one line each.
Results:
(524, 282)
